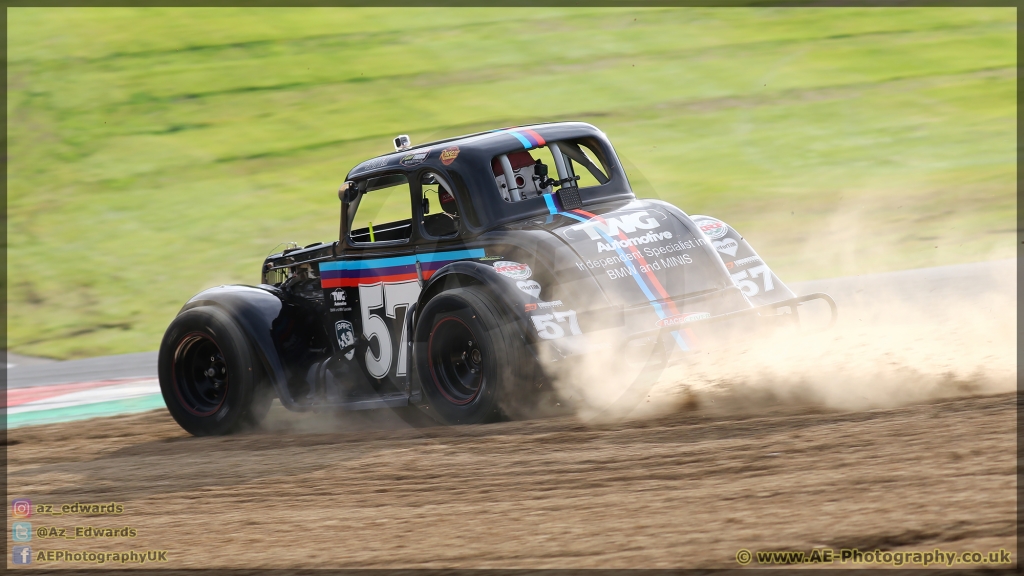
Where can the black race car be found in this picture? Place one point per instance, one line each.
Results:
(502, 254)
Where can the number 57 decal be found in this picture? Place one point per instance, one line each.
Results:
(389, 296)
(549, 325)
(749, 287)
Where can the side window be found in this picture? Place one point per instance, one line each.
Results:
(440, 211)
(384, 210)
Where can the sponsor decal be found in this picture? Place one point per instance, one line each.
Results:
(645, 239)
(339, 298)
(489, 258)
(448, 155)
(655, 251)
(513, 270)
(684, 339)
(650, 267)
(346, 336)
(530, 307)
(727, 246)
(531, 287)
(414, 159)
(711, 227)
(749, 260)
(552, 304)
(611, 226)
(683, 318)
(625, 258)
(372, 164)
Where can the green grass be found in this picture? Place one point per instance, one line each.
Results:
(155, 152)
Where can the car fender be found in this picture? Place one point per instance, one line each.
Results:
(272, 325)
(508, 296)
(748, 270)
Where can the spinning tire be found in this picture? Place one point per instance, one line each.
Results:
(469, 360)
(210, 378)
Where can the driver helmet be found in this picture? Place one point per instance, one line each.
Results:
(447, 202)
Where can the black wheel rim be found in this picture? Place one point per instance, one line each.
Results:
(200, 374)
(456, 361)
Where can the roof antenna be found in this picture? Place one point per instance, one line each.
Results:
(401, 142)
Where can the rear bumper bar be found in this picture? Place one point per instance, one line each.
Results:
(713, 332)
(760, 312)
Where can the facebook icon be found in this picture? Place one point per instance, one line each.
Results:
(22, 555)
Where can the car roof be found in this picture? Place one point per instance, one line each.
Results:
(467, 162)
(490, 142)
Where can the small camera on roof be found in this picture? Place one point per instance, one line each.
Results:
(401, 142)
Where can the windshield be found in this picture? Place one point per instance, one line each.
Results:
(382, 211)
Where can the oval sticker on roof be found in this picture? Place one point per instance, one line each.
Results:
(449, 154)
(415, 158)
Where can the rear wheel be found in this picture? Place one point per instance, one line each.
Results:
(209, 376)
(469, 360)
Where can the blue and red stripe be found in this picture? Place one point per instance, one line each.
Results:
(656, 301)
(351, 273)
(528, 138)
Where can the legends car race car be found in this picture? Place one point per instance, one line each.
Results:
(500, 255)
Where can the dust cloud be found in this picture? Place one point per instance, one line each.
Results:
(901, 338)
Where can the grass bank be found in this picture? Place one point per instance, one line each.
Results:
(155, 152)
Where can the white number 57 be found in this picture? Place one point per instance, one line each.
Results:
(749, 287)
(389, 296)
(549, 325)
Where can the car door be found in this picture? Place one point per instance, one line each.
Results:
(371, 285)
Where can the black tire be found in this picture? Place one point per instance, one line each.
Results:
(469, 359)
(210, 378)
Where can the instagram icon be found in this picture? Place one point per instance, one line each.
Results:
(21, 508)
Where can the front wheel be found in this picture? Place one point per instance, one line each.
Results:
(209, 376)
(468, 359)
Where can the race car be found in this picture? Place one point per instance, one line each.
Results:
(464, 271)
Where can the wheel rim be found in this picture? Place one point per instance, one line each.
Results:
(200, 374)
(456, 361)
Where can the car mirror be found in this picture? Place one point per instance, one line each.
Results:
(348, 192)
